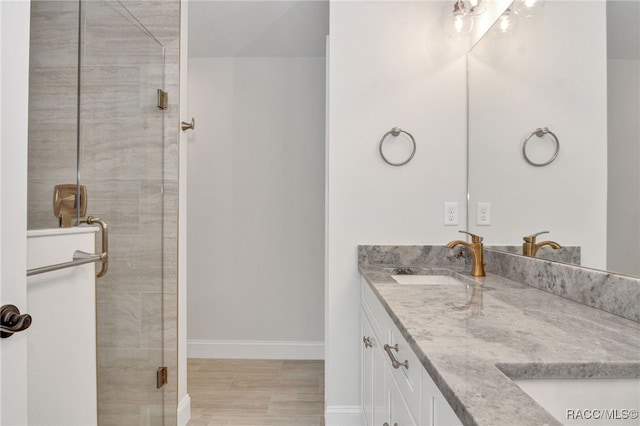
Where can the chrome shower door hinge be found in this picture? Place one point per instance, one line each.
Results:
(162, 376)
(163, 99)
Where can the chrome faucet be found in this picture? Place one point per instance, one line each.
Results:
(477, 269)
(530, 248)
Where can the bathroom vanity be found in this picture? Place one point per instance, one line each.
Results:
(467, 347)
(396, 388)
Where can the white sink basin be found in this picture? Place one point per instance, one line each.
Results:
(417, 279)
(592, 402)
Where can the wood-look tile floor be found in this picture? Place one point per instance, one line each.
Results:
(234, 392)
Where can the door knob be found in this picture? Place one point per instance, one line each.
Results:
(187, 126)
(11, 321)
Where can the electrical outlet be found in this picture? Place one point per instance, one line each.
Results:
(483, 214)
(450, 213)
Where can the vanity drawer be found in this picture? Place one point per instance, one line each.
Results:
(408, 379)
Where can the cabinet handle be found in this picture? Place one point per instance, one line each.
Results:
(394, 361)
(367, 342)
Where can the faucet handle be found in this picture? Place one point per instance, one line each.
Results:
(532, 238)
(474, 238)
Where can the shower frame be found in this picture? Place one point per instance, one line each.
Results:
(95, 121)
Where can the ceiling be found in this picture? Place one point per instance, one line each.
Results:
(257, 28)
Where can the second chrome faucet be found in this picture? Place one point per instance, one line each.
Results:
(476, 248)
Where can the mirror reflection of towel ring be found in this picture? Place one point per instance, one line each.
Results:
(395, 132)
(540, 132)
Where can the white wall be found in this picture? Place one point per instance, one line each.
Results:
(256, 207)
(390, 65)
(550, 73)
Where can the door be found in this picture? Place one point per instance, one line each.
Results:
(102, 70)
(14, 48)
(121, 163)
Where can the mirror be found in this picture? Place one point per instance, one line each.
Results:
(573, 68)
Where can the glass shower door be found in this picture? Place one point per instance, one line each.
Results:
(121, 155)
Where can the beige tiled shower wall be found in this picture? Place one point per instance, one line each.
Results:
(129, 163)
(53, 82)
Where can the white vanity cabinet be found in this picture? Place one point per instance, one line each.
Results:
(399, 393)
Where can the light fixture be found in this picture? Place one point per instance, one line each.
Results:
(476, 7)
(460, 23)
(505, 25)
(527, 8)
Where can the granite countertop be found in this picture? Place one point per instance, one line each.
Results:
(474, 339)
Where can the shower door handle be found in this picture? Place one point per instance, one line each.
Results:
(104, 229)
(186, 126)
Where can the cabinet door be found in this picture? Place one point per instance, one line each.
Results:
(443, 414)
(374, 402)
(380, 400)
(399, 413)
(435, 410)
(368, 371)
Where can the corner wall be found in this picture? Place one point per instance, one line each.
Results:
(390, 65)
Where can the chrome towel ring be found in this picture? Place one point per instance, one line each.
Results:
(395, 132)
(540, 132)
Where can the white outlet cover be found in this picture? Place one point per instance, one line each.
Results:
(483, 214)
(450, 213)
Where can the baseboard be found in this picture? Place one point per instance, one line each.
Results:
(184, 411)
(254, 349)
(343, 415)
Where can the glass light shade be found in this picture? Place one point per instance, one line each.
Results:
(505, 25)
(527, 8)
(460, 23)
(475, 7)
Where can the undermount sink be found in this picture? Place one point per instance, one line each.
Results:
(422, 279)
(592, 402)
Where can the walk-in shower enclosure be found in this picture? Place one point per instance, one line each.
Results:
(94, 120)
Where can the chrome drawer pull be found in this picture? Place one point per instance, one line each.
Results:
(367, 342)
(394, 361)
